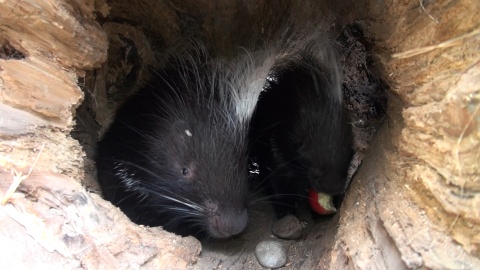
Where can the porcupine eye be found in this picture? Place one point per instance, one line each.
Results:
(187, 173)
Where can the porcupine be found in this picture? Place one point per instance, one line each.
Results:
(176, 154)
(300, 135)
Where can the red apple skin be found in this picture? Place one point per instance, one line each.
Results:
(316, 206)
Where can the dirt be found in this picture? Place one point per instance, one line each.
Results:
(238, 253)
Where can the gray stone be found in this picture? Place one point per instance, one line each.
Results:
(271, 254)
(289, 227)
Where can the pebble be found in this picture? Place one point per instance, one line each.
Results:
(271, 254)
(289, 227)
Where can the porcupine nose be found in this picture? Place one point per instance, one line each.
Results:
(228, 223)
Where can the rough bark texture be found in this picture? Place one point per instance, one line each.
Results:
(414, 203)
(69, 228)
(51, 221)
(427, 201)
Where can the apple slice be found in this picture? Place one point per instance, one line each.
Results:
(321, 203)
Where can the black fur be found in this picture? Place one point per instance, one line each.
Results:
(176, 154)
(300, 134)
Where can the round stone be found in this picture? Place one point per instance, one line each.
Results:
(271, 254)
(289, 227)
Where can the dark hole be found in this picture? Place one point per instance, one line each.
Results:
(8, 52)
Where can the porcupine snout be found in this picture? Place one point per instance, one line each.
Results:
(223, 223)
(329, 182)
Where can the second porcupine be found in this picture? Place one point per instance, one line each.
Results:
(301, 137)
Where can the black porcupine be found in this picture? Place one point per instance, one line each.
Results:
(176, 154)
(300, 134)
